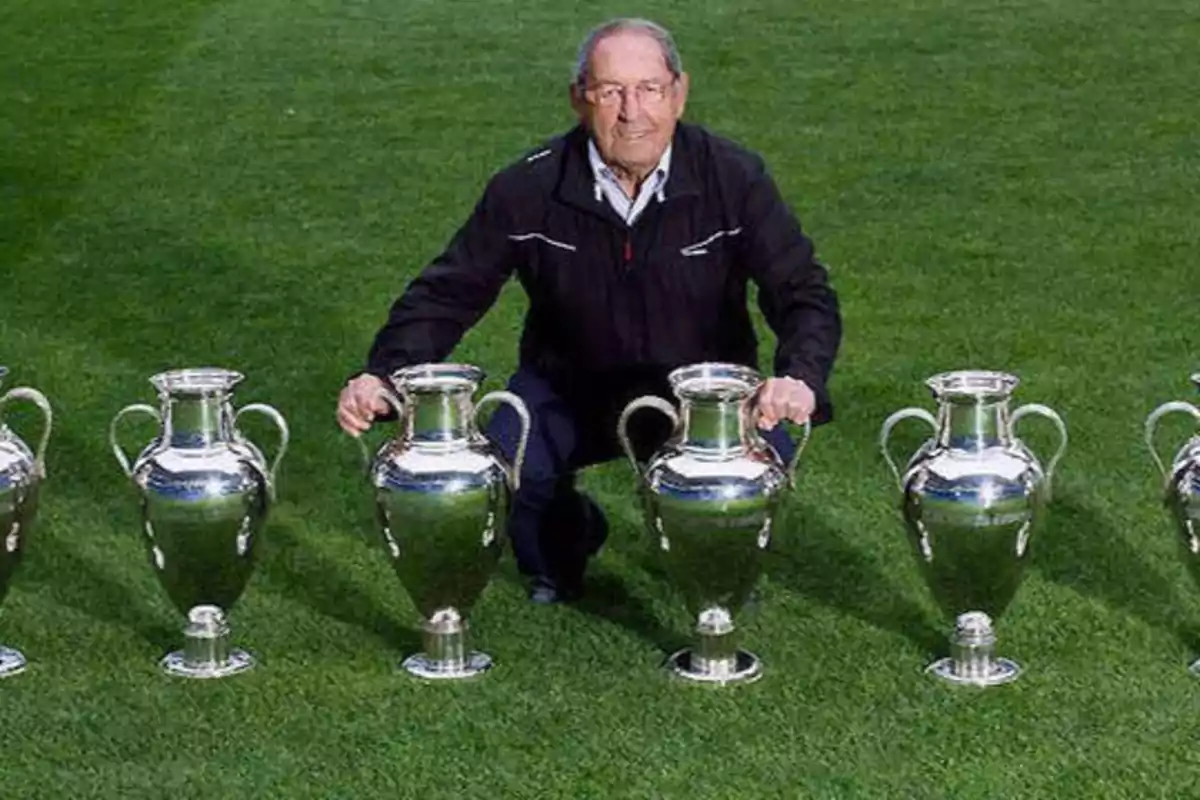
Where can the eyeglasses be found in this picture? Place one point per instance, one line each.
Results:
(648, 93)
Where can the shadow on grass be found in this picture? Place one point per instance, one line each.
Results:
(73, 580)
(817, 563)
(1080, 549)
(57, 563)
(293, 569)
(608, 598)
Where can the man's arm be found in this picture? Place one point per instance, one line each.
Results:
(793, 291)
(451, 294)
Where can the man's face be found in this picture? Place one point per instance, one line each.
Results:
(631, 101)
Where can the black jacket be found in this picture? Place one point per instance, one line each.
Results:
(611, 304)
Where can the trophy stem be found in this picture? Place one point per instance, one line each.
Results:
(11, 662)
(445, 655)
(971, 660)
(715, 658)
(206, 652)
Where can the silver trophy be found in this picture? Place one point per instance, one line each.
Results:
(710, 495)
(1181, 489)
(205, 492)
(442, 493)
(21, 473)
(973, 495)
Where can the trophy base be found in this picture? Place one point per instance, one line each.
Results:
(11, 662)
(1000, 671)
(422, 666)
(178, 665)
(744, 667)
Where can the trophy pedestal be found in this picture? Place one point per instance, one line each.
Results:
(11, 662)
(446, 657)
(716, 658)
(971, 662)
(206, 652)
(422, 666)
(743, 667)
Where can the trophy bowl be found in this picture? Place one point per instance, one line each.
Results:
(972, 497)
(1181, 486)
(442, 493)
(710, 496)
(21, 474)
(205, 492)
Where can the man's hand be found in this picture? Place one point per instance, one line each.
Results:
(359, 403)
(784, 398)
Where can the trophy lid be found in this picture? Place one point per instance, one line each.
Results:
(972, 384)
(196, 381)
(715, 381)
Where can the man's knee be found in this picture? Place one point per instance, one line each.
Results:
(540, 493)
(551, 438)
(780, 438)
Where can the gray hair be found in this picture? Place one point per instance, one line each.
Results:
(651, 29)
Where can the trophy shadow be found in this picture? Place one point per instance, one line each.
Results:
(58, 565)
(608, 598)
(818, 564)
(1081, 550)
(98, 595)
(296, 571)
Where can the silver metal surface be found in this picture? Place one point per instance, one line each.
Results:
(12, 662)
(973, 496)
(1181, 485)
(206, 652)
(710, 497)
(972, 662)
(205, 491)
(21, 474)
(442, 493)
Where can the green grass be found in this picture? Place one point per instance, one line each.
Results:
(1006, 186)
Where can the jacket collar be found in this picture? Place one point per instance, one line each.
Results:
(576, 185)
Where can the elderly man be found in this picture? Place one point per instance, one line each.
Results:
(634, 236)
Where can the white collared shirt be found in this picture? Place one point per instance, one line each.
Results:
(607, 185)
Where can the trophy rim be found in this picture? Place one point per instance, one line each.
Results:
(436, 376)
(715, 379)
(973, 384)
(196, 380)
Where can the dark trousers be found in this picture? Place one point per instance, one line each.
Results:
(568, 433)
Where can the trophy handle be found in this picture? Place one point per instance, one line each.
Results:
(518, 405)
(280, 422)
(1052, 415)
(140, 408)
(1152, 426)
(398, 406)
(800, 445)
(645, 401)
(39, 400)
(885, 434)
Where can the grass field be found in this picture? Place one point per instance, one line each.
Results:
(994, 185)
